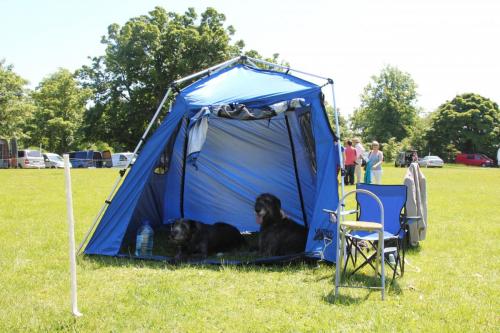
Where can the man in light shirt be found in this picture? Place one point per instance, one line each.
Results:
(360, 151)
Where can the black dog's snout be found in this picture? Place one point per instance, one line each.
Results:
(259, 206)
(174, 232)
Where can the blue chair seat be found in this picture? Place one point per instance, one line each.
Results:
(371, 236)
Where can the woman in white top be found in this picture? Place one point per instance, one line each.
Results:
(376, 158)
(360, 152)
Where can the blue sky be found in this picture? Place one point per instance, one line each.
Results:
(448, 47)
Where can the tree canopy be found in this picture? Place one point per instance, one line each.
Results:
(469, 123)
(60, 104)
(345, 132)
(15, 105)
(142, 58)
(388, 107)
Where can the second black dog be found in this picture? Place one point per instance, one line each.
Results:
(278, 235)
(193, 237)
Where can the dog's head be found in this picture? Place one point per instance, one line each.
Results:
(181, 231)
(267, 208)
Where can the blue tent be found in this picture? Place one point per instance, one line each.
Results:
(236, 133)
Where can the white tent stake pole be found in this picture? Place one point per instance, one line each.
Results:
(71, 234)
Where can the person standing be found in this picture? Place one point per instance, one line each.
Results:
(350, 163)
(360, 151)
(376, 157)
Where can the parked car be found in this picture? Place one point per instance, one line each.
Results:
(54, 161)
(405, 158)
(107, 161)
(30, 159)
(86, 159)
(474, 159)
(431, 161)
(120, 160)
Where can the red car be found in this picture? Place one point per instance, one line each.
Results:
(474, 159)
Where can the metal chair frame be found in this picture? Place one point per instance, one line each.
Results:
(353, 247)
(344, 226)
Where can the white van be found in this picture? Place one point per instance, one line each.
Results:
(120, 160)
(30, 159)
(54, 161)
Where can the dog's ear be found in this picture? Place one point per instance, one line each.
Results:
(277, 201)
(191, 225)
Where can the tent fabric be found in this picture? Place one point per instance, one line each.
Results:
(198, 127)
(236, 160)
(246, 85)
(108, 236)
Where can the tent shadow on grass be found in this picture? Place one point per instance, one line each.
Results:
(98, 262)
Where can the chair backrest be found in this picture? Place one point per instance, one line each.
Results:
(393, 198)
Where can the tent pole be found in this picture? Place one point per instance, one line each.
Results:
(183, 175)
(122, 172)
(208, 70)
(285, 68)
(341, 156)
(141, 141)
(297, 180)
(143, 138)
(252, 63)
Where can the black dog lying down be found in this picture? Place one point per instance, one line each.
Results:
(193, 237)
(279, 235)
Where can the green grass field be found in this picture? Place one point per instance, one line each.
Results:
(450, 284)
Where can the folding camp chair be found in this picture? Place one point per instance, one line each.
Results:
(345, 229)
(393, 198)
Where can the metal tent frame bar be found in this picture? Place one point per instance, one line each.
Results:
(173, 86)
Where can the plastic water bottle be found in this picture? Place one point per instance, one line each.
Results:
(144, 240)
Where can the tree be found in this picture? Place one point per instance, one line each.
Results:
(417, 139)
(469, 123)
(15, 105)
(345, 132)
(142, 58)
(388, 107)
(60, 104)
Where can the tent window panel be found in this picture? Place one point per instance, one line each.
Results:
(163, 164)
(307, 134)
(243, 112)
